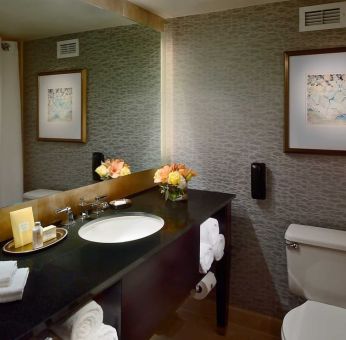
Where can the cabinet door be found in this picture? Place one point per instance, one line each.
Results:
(157, 287)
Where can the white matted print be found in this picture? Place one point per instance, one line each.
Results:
(326, 99)
(315, 101)
(62, 106)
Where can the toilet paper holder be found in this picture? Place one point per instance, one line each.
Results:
(204, 287)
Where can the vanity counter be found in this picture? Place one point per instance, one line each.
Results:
(74, 271)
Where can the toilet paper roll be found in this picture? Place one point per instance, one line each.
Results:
(204, 287)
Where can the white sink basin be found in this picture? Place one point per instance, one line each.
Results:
(121, 228)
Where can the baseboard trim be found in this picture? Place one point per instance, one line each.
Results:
(260, 322)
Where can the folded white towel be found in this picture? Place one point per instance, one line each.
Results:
(106, 333)
(83, 324)
(209, 231)
(219, 247)
(15, 290)
(206, 257)
(7, 271)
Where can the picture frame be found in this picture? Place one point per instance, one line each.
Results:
(62, 106)
(315, 101)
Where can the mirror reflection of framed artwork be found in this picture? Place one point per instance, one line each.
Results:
(62, 106)
(315, 101)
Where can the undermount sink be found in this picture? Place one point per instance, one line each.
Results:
(121, 228)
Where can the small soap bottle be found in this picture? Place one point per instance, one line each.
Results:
(37, 235)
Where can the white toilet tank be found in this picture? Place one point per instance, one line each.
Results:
(316, 263)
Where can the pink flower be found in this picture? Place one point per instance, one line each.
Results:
(115, 167)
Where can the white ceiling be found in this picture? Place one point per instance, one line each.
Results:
(179, 8)
(32, 19)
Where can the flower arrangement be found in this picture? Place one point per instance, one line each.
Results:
(173, 180)
(113, 168)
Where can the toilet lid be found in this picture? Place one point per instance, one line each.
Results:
(315, 321)
(38, 193)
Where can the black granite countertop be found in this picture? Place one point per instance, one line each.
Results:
(75, 270)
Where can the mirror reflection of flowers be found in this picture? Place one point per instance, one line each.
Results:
(113, 168)
(173, 179)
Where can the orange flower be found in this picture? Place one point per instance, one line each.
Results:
(177, 166)
(187, 173)
(161, 175)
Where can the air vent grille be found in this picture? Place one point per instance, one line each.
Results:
(329, 16)
(322, 17)
(68, 48)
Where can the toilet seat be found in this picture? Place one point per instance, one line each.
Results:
(314, 321)
(38, 193)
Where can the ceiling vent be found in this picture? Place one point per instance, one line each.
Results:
(67, 48)
(322, 17)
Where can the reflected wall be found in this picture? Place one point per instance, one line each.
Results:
(123, 111)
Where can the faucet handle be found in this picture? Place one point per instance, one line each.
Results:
(83, 202)
(100, 204)
(100, 198)
(85, 207)
(70, 219)
(66, 210)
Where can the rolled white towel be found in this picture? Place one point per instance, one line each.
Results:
(83, 324)
(209, 231)
(106, 333)
(206, 257)
(15, 290)
(7, 271)
(219, 247)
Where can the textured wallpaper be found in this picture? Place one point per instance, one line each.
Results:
(123, 114)
(225, 110)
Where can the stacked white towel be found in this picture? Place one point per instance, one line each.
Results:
(12, 281)
(211, 241)
(86, 324)
(7, 270)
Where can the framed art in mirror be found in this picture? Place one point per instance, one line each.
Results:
(62, 106)
(315, 101)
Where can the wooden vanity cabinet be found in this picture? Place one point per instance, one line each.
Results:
(159, 285)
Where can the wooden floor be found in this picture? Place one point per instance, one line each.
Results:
(196, 320)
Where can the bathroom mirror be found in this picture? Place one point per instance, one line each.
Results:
(122, 59)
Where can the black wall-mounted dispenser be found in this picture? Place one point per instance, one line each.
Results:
(97, 158)
(258, 181)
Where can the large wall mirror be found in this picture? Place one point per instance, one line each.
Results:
(122, 59)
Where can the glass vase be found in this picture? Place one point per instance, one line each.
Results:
(174, 193)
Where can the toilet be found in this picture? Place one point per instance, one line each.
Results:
(38, 193)
(316, 264)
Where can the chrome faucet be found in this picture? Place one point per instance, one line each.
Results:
(85, 208)
(96, 207)
(99, 204)
(70, 219)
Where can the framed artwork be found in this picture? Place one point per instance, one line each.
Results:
(315, 101)
(62, 106)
